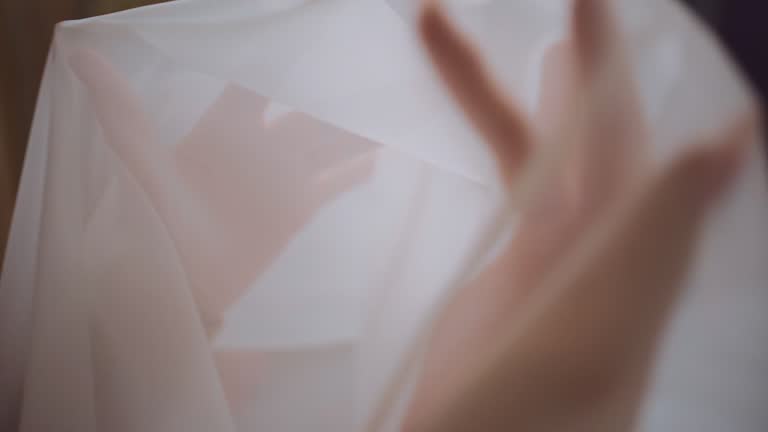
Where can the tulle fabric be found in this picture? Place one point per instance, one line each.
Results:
(242, 216)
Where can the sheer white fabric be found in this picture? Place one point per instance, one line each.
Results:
(240, 215)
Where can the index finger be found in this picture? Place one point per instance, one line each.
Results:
(499, 121)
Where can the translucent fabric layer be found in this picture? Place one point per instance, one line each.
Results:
(242, 215)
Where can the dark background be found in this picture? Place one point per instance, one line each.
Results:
(743, 28)
(26, 27)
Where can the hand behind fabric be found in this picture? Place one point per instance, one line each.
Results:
(236, 189)
(231, 194)
(559, 332)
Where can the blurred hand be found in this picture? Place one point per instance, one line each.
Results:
(559, 332)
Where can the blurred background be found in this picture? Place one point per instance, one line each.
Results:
(26, 27)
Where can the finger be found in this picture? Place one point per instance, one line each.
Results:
(600, 322)
(595, 33)
(557, 110)
(501, 124)
(557, 84)
(614, 130)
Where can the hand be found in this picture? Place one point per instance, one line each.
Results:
(559, 332)
(236, 189)
(231, 194)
